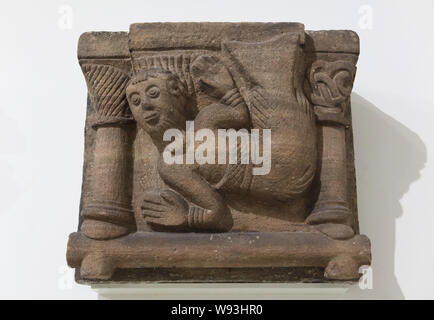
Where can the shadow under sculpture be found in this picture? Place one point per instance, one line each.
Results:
(143, 218)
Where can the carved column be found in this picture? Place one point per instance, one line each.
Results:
(108, 213)
(331, 84)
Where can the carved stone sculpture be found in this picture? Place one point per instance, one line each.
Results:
(218, 152)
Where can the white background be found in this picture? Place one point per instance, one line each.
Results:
(42, 112)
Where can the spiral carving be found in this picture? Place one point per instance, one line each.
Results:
(331, 82)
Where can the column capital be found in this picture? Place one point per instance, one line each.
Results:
(330, 84)
(106, 64)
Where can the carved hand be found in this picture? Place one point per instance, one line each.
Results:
(166, 210)
(212, 76)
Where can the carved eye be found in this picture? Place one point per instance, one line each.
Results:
(135, 99)
(153, 92)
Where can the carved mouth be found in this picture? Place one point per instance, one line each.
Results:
(151, 117)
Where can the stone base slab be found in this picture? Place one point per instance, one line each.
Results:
(226, 257)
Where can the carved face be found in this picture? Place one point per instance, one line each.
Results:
(157, 104)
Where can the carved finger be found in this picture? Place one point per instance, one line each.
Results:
(154, 207)
(170, 197)
(152, 197)
(152, 220)
(153, 214)
(161, 222)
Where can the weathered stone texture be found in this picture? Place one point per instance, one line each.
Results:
(142, 219)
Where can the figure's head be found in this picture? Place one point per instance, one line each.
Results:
(157, 100)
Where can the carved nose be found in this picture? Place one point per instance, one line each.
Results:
(147, 107)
